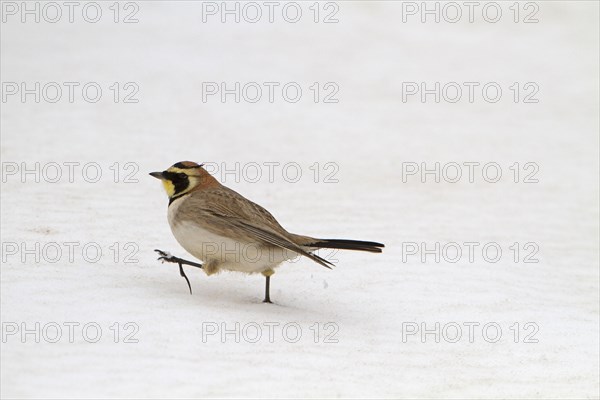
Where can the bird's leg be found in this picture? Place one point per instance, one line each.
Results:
(267, 290)
(166, 256)
(267, 275)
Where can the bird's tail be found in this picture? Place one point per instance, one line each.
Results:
(345, 244)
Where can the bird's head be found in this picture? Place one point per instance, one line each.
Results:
(184, 177)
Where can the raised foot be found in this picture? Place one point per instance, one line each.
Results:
(168, 257)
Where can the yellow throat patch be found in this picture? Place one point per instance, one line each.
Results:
(169, 187)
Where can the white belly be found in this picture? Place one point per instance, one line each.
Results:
(223, 252)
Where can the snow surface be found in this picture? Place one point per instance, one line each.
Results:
(372, 300)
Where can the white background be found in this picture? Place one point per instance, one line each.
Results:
(369, 134)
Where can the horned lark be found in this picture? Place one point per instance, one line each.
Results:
(229, 232)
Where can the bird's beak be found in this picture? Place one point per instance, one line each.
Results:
(157, 175)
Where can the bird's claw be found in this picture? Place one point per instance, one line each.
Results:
(165, 256)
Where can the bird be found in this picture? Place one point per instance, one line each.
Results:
(226, 231)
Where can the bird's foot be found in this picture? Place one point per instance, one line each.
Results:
(168, 257)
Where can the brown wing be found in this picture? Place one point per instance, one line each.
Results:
(225, 212)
